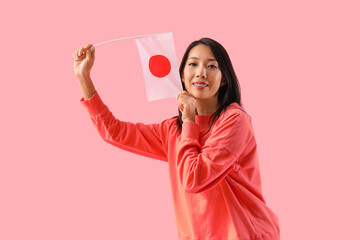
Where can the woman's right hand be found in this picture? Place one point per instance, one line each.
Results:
(187, 106)
(84, 58)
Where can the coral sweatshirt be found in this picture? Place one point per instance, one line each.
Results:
(214, 178)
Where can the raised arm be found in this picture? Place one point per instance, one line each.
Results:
(139, 138)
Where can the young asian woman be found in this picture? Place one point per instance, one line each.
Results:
(210, 147)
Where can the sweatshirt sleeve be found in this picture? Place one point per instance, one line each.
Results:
(139, 138)
(201, 168)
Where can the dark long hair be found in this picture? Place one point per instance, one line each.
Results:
(230, 92)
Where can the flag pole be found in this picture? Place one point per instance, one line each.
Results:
(129, 38)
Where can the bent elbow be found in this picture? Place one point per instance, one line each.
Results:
(191, 187)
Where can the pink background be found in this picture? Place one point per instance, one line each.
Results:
(298, 66)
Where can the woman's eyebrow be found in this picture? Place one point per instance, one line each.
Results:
(210, 59)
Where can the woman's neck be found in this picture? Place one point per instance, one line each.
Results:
(206, 107)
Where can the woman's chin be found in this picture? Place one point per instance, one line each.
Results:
(197, 95)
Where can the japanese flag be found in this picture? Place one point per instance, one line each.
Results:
(161, 73)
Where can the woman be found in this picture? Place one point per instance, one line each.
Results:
(210, 147)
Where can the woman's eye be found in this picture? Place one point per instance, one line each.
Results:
(193, 64)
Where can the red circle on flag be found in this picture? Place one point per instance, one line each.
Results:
(159, 66)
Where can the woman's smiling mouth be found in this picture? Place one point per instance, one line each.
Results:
(200, 85)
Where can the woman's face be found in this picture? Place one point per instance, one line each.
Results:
(202, 76)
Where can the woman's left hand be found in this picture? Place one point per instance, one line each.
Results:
(187, 106)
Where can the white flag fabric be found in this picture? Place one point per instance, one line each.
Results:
(161, 72)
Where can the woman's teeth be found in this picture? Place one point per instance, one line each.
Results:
(199, 85)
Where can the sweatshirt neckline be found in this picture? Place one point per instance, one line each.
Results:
(202, 118)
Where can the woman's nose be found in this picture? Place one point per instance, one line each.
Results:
(201, 72)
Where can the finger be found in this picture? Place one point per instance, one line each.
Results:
(177, 97)
(180, 105)
(88, 46)
(179, 94)
(84, 51)
(75, 53)
(186, 93)
(92, 49)
(89, 54)
(81, 52)
(78, 53)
